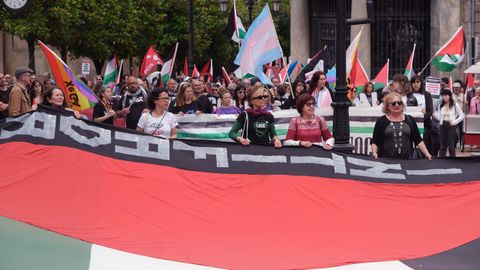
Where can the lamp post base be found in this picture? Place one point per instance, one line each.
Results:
(344, 147)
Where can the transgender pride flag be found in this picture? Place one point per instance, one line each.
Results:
(260, 46)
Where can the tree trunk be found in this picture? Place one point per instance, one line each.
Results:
(98, 66)
(31, 51)
(64, 54)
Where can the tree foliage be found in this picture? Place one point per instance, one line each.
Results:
(97, 29)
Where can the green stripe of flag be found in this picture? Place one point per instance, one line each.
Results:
(24, 246)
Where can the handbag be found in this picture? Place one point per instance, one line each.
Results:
(416, 154)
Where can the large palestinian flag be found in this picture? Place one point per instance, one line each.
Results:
(79, 195)
(451, 54)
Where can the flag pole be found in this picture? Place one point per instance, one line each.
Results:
(421, 71)
(290, 83)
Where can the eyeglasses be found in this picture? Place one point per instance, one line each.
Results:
(310, 104)
(396, 103)
(261, 97)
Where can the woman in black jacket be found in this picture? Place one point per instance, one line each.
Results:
(396, 133)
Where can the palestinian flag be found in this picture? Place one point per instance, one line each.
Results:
(382, 77)
(167, 67)
(235, 29)
(312, 64)
(452, 53)
(358, 76)
(409, 69)
(78, 195)
(111, 72)
(226, 77)
(195, 73)
(207, 70)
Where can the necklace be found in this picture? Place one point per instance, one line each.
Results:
(397, 136)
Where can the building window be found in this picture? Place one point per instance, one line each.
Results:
(322, 28)
(398, 25)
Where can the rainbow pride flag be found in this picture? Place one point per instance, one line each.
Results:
(77, 93)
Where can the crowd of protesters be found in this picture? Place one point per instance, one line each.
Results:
(150, 107)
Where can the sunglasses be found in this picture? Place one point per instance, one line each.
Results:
(396, 103)
(310, 104)
(261, 97)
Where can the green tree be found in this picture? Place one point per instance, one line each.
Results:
(29, 25)
(97, 29)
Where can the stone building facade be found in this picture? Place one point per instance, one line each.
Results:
(440, 18)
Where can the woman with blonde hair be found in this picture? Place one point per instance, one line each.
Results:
(396, 133)
(185, 101)
(256, 123)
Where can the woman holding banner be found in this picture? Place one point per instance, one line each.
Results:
(158, 121)
(395, 133)
(54, 98)
(308, 128)
(103, 111)
(256, 123)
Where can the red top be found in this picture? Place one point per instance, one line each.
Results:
(312, 131)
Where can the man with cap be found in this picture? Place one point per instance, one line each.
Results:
(19, 102)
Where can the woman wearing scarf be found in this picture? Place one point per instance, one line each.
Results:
(257, 124)
(103, 111)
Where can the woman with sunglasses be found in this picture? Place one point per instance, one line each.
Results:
(395, 133)
(37, 90)
(308, 128)
(158, 121)
(256, 124)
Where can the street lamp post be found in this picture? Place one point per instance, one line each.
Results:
(250, 4)
(190, 37)
(341, 122)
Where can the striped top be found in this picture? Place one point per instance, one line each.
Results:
(312, 131)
